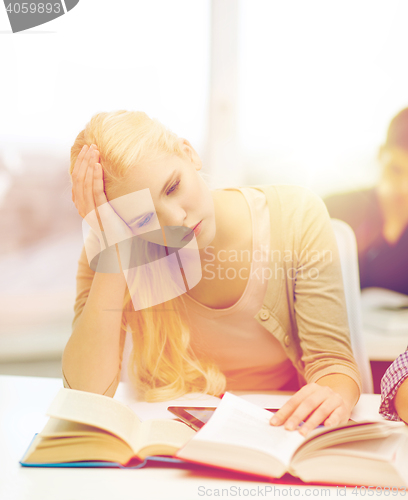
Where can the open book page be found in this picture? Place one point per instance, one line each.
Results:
(96, 410)
(379, 462)
(65, 428)
(378, 449)
(99, 446)
(239, 423)
(351, 432)
(162, 436)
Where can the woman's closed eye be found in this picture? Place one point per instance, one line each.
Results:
(148, 217)
(173, 188)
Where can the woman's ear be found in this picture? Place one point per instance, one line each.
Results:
(191, 152)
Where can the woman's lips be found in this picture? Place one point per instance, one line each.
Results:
(197, 229)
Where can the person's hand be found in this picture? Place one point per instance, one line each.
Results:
(84, 177)
(107, 227)
(89, 197)
(313, 404)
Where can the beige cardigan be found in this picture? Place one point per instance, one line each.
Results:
(304, 306)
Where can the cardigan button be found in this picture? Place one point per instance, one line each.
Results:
(286, 340)
(264, 315)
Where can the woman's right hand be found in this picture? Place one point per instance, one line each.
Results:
(89, 197)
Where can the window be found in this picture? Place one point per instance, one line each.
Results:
(318, 83)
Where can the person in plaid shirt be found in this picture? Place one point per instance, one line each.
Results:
(394, 390)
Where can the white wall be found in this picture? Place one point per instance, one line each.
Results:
(103, 55)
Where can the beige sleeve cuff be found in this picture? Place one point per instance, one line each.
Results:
(338, 369)
(110, 391)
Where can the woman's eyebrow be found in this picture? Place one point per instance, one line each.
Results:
(167, 183)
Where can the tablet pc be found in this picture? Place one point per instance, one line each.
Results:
(197, 416)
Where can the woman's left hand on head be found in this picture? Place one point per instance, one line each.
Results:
(313, 404)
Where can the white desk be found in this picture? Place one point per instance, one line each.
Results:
(23, 403)
(385, 332)
(383, 347)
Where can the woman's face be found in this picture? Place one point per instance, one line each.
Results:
(168, 191)
(393, 185)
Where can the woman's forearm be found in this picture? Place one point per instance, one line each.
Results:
(401, 401)
(91, 357)
(343, 385)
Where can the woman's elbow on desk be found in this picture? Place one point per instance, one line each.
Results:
(110, 391)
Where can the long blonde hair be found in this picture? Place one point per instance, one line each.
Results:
(162, 364)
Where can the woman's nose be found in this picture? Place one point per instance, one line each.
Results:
(174, 218)
(181, 217)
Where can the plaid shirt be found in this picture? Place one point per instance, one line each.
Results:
(392, 379)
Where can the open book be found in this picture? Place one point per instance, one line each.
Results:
(89, 427)
(85, 428)
(239, 437)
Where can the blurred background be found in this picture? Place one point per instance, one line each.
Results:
(266, 91)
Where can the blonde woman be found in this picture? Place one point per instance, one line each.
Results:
(268, 312)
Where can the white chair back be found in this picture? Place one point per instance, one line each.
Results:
(346, 242)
